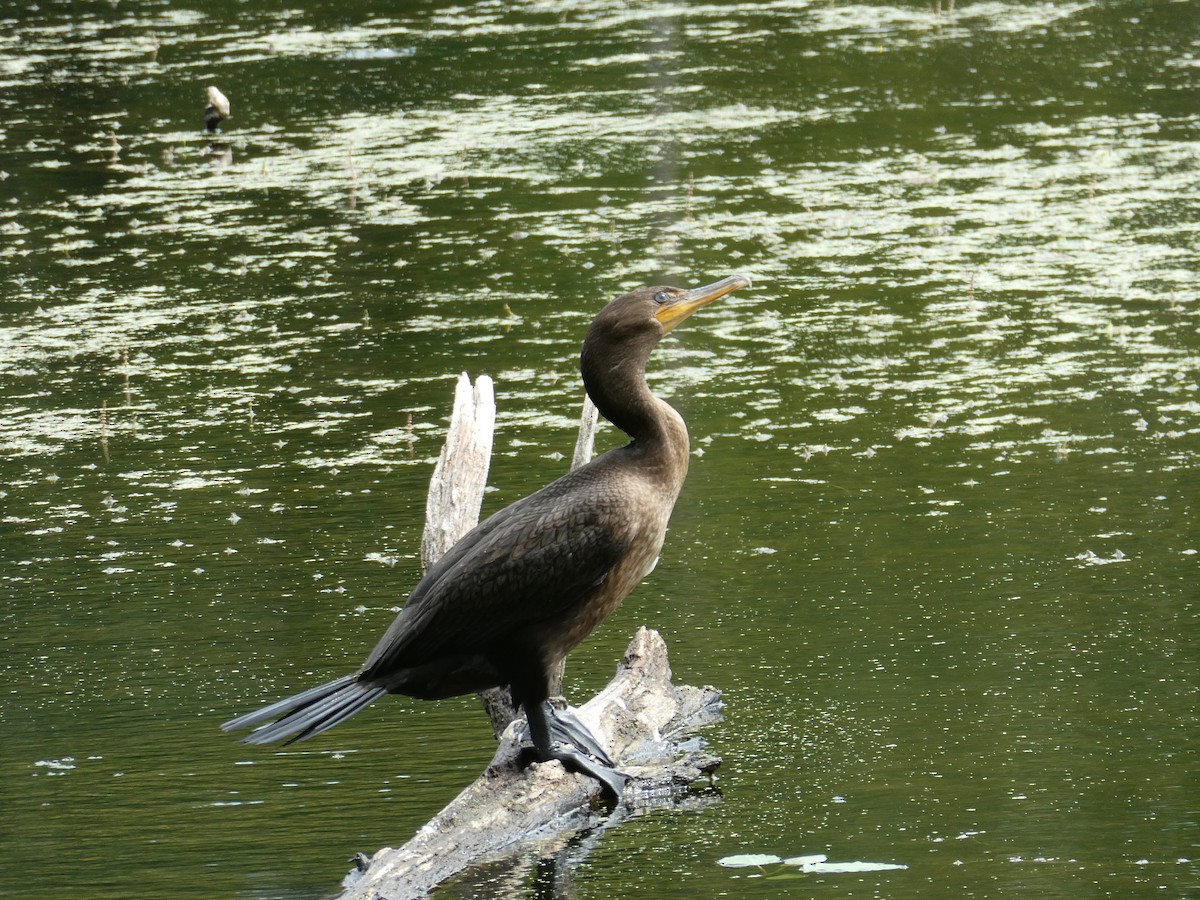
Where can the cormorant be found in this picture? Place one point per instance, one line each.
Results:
(524, 587)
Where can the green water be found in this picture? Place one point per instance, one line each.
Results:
(939, 544)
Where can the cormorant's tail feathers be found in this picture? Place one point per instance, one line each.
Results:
(307, 713)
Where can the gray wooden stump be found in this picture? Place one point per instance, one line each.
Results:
(512, 810)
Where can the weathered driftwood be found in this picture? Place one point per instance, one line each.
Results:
(641, 716)
(645, 720)
(460, 476)
(589, 419)
(456, 496)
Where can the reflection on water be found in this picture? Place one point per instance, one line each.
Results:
(938, 541)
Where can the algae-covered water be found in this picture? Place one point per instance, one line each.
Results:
(939, 543)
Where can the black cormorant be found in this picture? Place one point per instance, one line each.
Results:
(524, 587)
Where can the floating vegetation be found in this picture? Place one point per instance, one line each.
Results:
(813, 864)
(1089, 558)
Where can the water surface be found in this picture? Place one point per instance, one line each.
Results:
(939, 541)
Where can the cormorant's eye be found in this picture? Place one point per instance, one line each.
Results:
(662, 296)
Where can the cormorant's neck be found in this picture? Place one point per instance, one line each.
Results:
(615, 378)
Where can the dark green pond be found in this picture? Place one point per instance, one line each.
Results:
(939, 545)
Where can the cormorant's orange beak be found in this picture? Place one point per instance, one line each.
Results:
(678, 305)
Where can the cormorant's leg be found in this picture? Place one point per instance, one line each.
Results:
(546, 747)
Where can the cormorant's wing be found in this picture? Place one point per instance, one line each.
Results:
(530, 562)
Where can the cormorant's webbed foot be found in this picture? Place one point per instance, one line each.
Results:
(566, 728)
(610, 779)
(559, 734)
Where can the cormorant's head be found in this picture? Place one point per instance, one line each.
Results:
(623, 335)
(673, 305)
(650, 312)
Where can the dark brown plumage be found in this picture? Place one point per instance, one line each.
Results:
(525, 586)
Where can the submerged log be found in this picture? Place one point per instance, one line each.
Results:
(643, 719)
